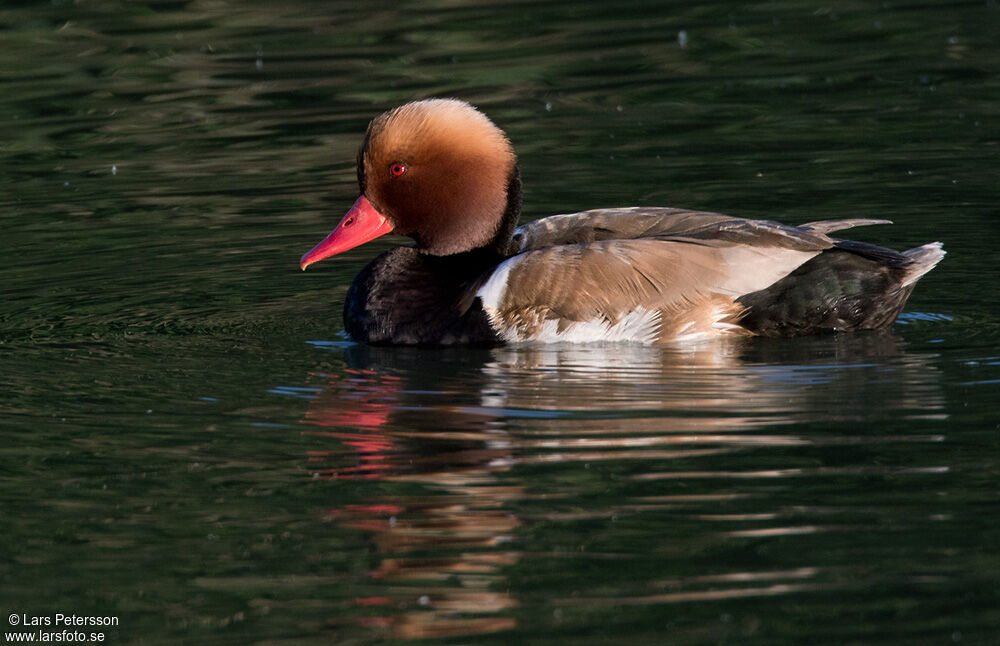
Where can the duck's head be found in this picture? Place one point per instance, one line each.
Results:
(438, 171)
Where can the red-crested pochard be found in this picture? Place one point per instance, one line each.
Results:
(440, 172)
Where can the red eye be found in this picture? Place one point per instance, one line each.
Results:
(397, 169)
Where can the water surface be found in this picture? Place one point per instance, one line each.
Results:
(192, 445)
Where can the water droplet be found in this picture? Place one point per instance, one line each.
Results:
(114, 169)
(682, 38)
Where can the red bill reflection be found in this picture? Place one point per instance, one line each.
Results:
(440, 555)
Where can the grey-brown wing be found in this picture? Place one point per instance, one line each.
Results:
(680, 225)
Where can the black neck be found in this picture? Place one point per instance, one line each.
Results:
(511, 215)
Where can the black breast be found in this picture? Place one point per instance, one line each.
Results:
(408, 298)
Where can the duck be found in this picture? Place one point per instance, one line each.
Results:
(440, 172)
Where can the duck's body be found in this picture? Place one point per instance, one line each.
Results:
(442, 173)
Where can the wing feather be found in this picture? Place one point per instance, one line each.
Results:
(829, 226)
(696, 227)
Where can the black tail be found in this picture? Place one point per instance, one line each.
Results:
(852, 286)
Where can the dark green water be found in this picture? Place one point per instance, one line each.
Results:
(190, 444)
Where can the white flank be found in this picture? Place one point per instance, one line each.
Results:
(493, 290)
(639, 326)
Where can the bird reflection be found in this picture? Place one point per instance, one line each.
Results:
(451, 451)
(734, 384)
(450, 427)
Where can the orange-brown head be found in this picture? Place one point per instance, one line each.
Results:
(437, 171)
